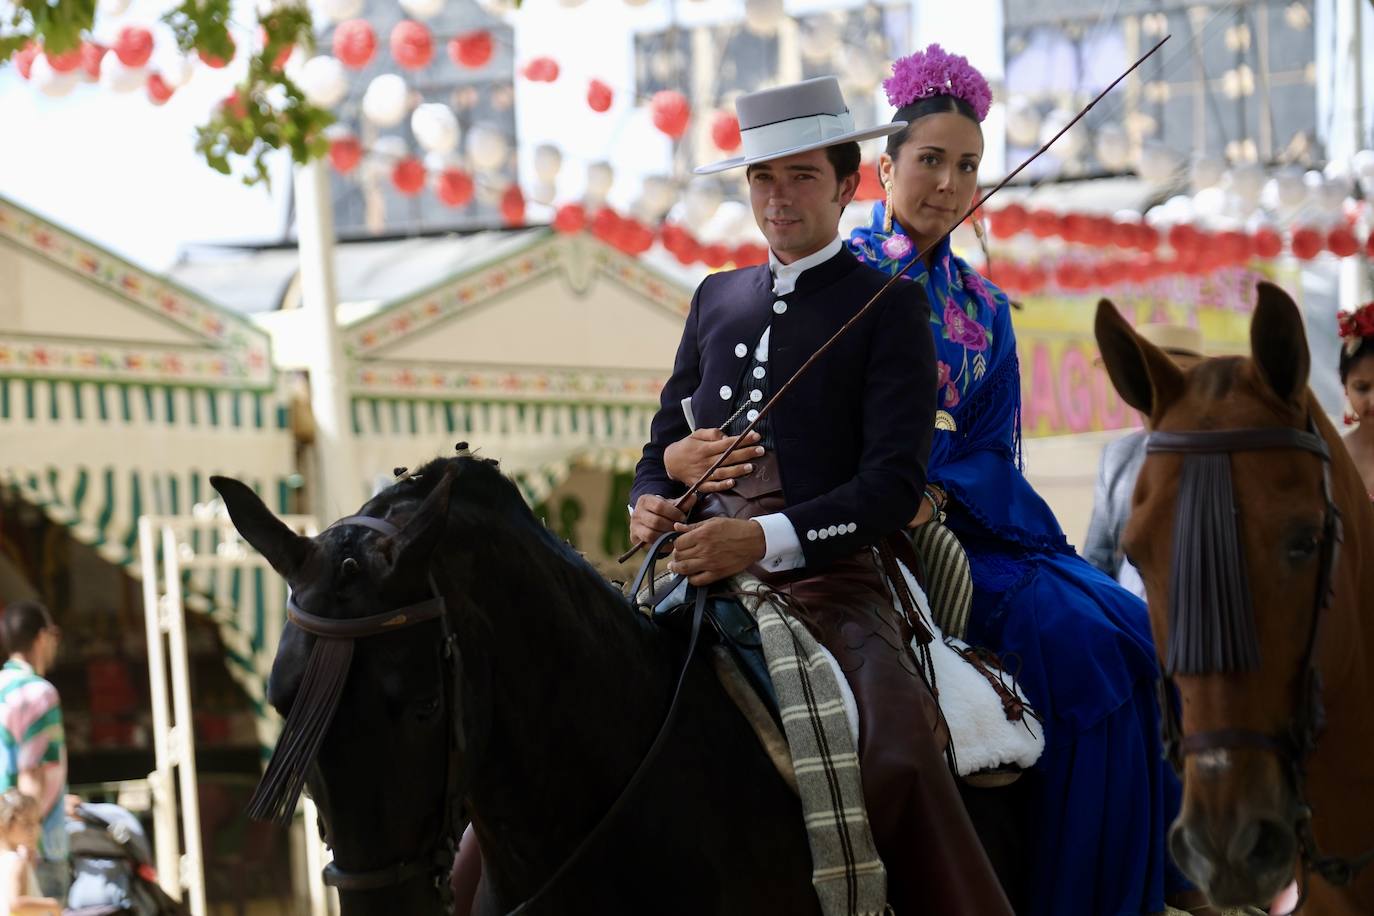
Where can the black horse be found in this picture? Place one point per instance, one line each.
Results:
(562, 691)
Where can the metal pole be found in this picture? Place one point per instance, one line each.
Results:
(192, 871)
(339, 489)
(160, 780)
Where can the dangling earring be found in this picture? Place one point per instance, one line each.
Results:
(887, 211)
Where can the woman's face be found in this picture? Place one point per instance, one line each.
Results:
(1359, 388)
(935, 174)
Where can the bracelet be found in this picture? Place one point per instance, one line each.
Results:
(937, 514)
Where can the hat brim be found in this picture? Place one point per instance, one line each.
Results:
(854, 136)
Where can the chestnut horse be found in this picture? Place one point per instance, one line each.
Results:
(1263, 614)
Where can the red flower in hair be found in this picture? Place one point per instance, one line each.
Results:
(1357, 324)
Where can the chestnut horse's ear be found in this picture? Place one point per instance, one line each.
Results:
(1144, 376)
(410, 549)
(286, 550)
(1278, 343)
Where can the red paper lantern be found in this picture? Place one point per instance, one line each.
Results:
(1268, 244)
(65, 62)
(133, 46)
(158, 90)
(1307, 243)
(354, 43)
(599, 96)
(541, 70)
(1123, 235)
(1147, 237)
(454, 187)
(638, 238)
(1231, 247)
(1074, 227)
(671, 112)
(408, 175)
(605, 224)
(570, 218)
(23, 59)
(218, 63)
(412, 45)
(750, 255)
(1042, 223)
(513, 206)
(1182, 237)
(688, 253)
(715, 256)
(1342, 242)
(345, 153)
(92, 55)
(1009, 221)
(725, 132)
(471, 49)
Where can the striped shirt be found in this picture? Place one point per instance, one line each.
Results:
(31, 738)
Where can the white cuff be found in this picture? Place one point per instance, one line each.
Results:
(782, 548)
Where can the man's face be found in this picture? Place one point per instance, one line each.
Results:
(797, 202)
(49, 641)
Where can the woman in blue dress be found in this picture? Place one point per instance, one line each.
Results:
(1101, 797)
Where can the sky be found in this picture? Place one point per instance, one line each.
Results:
(124, 173)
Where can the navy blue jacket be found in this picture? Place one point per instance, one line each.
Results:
(853, 436)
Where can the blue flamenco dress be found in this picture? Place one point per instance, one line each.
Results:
(1101, 797)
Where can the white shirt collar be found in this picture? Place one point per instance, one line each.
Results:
(785, 275)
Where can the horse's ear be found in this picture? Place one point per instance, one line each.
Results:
(1278, 343)
(1144, 376)
(410, 549)
(286, 550)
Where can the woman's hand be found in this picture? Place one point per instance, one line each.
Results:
(687, 459)
(928, 509)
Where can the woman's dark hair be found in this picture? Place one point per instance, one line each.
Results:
(935, 104)
(21, 624)
(1350, 357)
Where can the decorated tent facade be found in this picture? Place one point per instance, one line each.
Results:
(121, 393)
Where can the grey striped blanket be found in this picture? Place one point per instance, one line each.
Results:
(845, 869)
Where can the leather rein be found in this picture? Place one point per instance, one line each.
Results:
(1297, 744)
(437, 859)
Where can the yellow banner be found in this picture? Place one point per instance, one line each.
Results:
(1064, 390)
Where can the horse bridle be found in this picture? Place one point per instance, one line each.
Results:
(1294, 747)
(438, 856)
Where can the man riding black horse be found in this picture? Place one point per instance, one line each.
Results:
(837, 468)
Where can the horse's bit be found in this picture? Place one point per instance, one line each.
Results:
(1294, 747)
(438, 856)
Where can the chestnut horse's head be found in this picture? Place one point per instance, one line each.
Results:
(1230, 534)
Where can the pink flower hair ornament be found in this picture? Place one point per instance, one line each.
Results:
(934, 72)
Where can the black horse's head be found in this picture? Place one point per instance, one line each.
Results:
(384, 772)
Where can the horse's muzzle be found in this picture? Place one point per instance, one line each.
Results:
(1244, 863)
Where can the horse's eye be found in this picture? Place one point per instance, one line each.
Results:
(427, 708)
(1303, 548)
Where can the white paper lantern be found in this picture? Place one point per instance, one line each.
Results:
(1023, 121)
(324, 81)
(422, 9)
(487, 148)
(1362, 164)
(175, 68)
(600, 177)
(571, 4)
(1157, 163)
(1113, 148)
(1330, 196)
(1247, 183)
(1290, 186)
(436, 162)
(113, 7)
(1210, 204)
(385, 100)
(635, 2)
(116, 77)
(341, 10)
(435, 127)
(543, 192)
(547, 162)
(1207, 172)
(659, 195)
(700, 202)
(1067, 147)
(49, 82)
(762, 17)
(820, 38)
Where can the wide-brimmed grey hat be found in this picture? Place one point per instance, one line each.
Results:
(787, 120)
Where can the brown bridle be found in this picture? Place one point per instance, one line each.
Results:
(1235, 649)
